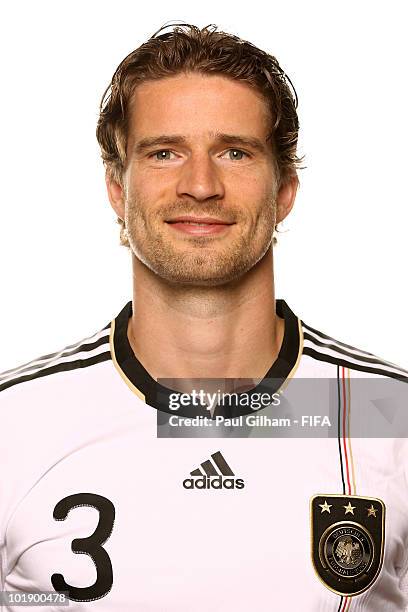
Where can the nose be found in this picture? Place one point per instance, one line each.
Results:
(200, 179)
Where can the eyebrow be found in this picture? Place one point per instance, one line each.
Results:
(230, 139)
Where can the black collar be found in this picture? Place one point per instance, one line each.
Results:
(157, 395)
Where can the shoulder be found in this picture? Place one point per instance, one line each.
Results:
(82, 354)
(323, 348)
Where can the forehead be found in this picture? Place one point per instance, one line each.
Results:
(194, 103)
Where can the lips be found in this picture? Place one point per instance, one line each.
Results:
(199, 226)
(199, 220)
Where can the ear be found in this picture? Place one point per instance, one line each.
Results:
(115, 195)
(286, 198)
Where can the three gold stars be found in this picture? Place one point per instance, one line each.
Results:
(349, 509)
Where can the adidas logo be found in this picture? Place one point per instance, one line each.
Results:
(215, 474)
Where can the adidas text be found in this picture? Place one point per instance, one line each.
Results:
(213, 482)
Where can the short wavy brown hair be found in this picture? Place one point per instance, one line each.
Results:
(187, 48)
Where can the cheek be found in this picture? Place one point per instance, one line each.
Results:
(150, 186)
(251, 187)
(255, 198)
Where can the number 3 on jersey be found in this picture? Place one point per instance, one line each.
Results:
(92, 546)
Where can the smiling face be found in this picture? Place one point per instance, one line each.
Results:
(199, 197)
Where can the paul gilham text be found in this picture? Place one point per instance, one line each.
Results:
(249, 420)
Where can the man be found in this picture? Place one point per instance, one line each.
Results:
(198, 133)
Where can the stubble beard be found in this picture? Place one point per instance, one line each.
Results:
(199, 260)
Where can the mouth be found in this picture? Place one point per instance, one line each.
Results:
(199, 226)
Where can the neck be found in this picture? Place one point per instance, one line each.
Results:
(230, 331)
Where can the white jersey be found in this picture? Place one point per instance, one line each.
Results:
(96, 504)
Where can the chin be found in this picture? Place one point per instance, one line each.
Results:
(200, 268)
(200, 277)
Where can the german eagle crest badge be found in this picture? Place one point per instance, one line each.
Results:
(347, 541)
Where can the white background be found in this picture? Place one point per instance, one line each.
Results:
(341, 265)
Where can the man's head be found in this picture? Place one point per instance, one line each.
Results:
(199, 124)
